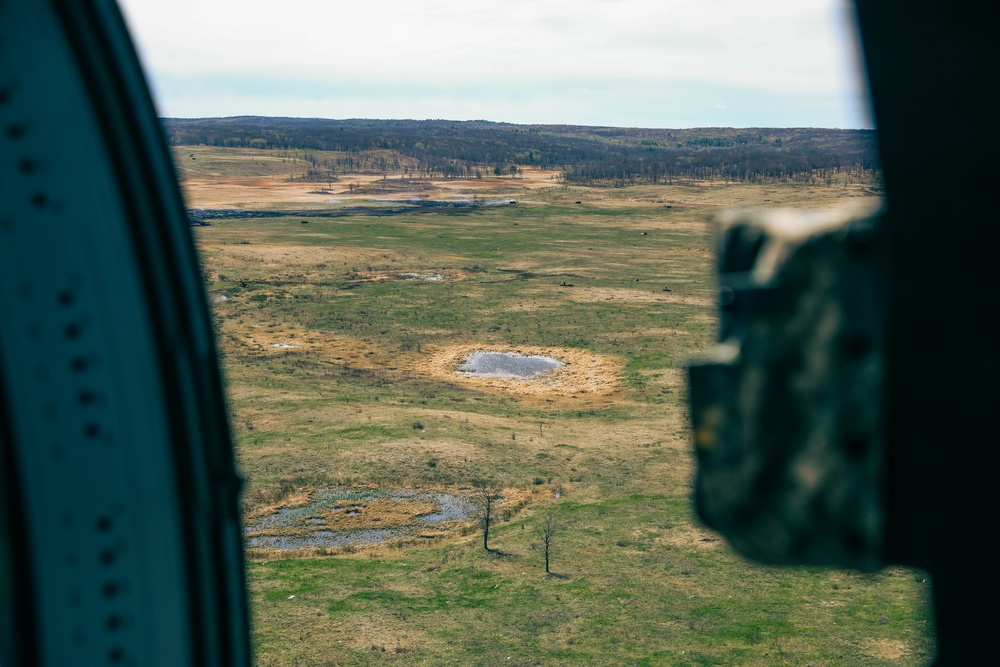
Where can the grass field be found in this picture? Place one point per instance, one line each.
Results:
(339, 338)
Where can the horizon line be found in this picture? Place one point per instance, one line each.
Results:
(495, 122)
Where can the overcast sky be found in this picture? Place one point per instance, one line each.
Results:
(645, 63)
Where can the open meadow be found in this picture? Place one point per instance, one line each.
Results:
(341, 320)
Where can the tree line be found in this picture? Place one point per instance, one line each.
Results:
(583, 154)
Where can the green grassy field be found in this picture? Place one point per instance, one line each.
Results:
(332, 355)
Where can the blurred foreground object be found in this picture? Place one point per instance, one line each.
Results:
(120, 540)
(787, 417)
(922, 487)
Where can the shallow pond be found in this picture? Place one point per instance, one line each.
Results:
(309, 525)
(499, 364)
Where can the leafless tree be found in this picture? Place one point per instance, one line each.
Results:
(546, 532)
(488, 499)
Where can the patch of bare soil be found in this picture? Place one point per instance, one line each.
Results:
(885, 649)
(594, 294)
(583, 374)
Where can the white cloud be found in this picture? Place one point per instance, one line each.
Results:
(772, 46)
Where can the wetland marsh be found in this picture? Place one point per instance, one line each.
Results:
(343, 367)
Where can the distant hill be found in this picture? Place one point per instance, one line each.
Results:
(584, 154)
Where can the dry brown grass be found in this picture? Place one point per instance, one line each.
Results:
(272, 191)
(296, 498)
(892, 650)
(333, 381)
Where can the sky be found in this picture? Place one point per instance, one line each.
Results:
(623, 63)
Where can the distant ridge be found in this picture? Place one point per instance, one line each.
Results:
(584, 154)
